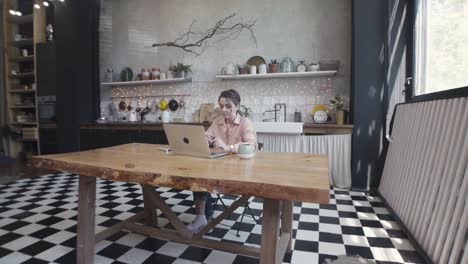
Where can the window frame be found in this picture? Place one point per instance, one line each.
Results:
(410, 96)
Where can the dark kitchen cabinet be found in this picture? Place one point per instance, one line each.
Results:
(48, 142)
(92, 138)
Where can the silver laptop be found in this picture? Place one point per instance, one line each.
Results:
(189, 140)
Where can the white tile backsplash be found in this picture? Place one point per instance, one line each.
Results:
(260, 95)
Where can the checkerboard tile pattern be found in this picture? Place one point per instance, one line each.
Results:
(38, 225)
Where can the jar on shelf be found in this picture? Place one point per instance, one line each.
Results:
(108, 76)
(145, 74)
(155, 73)
(287, 65)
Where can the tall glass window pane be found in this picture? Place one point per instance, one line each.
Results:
(441, 45)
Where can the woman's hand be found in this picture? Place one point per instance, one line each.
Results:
(221, 145)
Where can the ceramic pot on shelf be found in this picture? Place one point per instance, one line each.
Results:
(340, 116)
(274, 68)
(229, 70)
(314, 67)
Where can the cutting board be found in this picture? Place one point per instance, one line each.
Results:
(206, 112)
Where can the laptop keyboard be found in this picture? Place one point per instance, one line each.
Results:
(217, 154)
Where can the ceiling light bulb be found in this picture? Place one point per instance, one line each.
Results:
(37, 6)
(18, 13)
(13, 12)
(62, 0)
(45, 3)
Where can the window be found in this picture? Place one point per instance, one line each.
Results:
(440, 45)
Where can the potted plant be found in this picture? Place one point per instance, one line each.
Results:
(244, 69)
(337, 104)
(180, 70)
(273, 66)
(246, 111)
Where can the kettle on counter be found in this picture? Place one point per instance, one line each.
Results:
(133, 116)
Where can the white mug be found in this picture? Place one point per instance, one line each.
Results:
(253, 69)
(165, 116)
(262, 68)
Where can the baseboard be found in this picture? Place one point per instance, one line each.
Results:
(359, 189)
(7, 161)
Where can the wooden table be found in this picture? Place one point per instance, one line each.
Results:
(279, 178)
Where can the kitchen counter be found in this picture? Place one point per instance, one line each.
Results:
(158, 126)
(309, 128)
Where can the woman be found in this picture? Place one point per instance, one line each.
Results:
(225, 134)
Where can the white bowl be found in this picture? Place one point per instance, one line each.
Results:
(246, 156)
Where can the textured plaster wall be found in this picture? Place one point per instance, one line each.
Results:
(309, 30)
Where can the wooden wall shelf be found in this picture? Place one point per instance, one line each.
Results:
(22, 91)
(24, 19)
(22, 59)
(22, 75)
(23, 123)
(22, 106)
(20, 43)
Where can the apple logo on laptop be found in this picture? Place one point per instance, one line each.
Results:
(186, 141)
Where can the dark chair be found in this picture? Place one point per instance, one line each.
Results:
(246, 205)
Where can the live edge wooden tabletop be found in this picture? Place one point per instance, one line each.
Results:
(282, 176)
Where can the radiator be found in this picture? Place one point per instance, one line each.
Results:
(337, 147)
(425, 179)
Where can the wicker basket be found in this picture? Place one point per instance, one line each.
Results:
(329, 65)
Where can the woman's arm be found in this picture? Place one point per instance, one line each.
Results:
(248, 136)
(210, 135)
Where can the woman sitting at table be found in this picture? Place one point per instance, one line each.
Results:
(225, 134)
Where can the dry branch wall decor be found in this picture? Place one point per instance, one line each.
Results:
(192, 41)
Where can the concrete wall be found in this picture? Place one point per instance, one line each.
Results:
(309, 30)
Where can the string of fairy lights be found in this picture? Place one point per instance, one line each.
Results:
(37, 5)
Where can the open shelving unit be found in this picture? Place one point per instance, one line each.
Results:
(22, 33)
(149, 82)
(277, 75)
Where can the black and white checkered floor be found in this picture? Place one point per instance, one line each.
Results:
(38, 225)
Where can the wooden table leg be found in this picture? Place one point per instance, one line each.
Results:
(86, 220)
(270, 231)
(151, 217)
(287, 221)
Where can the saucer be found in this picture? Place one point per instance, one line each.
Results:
(246, 156)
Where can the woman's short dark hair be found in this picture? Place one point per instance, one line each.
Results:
(232, 95)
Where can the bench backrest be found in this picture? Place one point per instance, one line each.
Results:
(425, 179)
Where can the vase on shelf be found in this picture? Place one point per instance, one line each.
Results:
(340, 116)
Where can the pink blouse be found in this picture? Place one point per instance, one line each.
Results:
(241, 132)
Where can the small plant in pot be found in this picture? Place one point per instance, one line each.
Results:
(244, 69)
(273, 66)
(180, 70)
(337, 104)
(246, 111)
